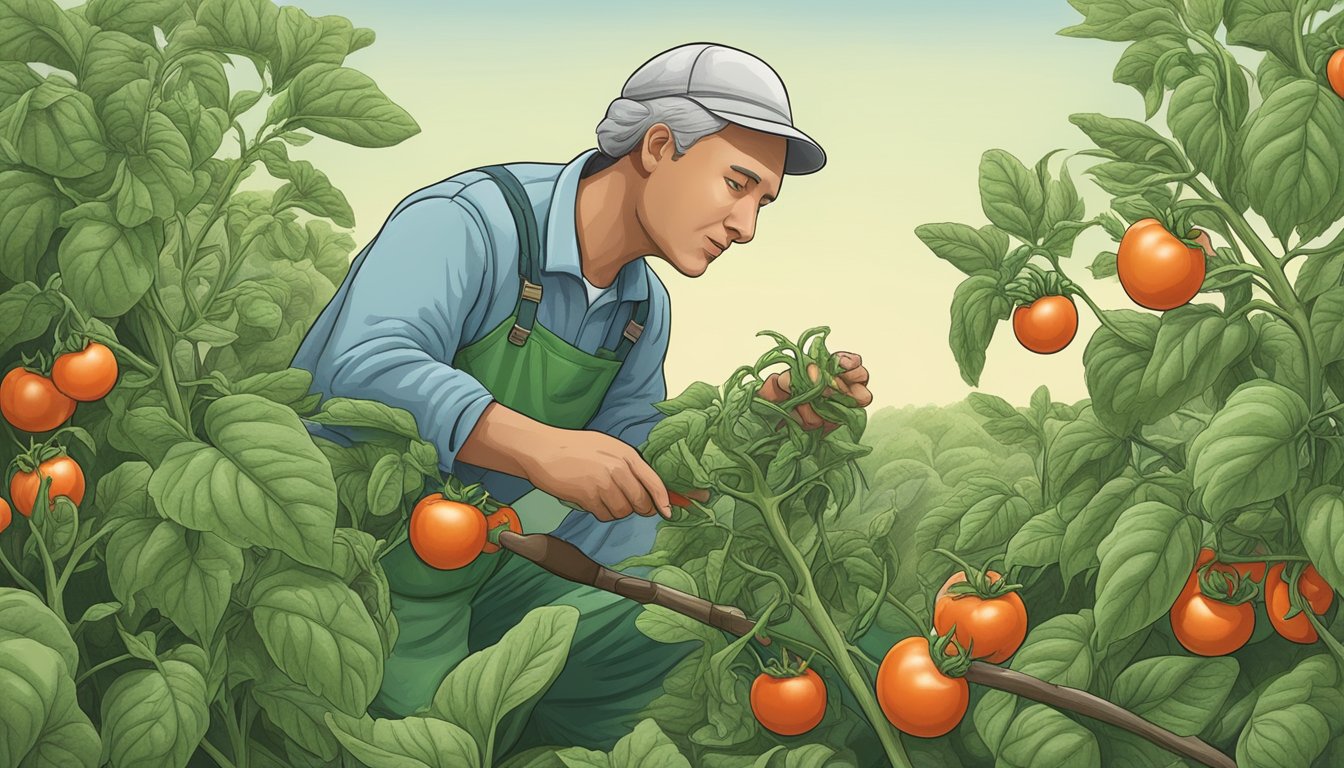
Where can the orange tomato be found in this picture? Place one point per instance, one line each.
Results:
(1047, 325)
(1334, 72)
(32, 403)
(996, 626)
(67, 479)
(915, 695)
(1318, 595)
(1156, 269)
(6, 516)
(86, 375)
(1210, 627)
(788, 706)
(501, 516)
(446, 534)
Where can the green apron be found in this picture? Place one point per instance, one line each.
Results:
(443, 616)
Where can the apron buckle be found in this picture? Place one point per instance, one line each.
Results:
(531, 292)
(518, 335)
(633, 331)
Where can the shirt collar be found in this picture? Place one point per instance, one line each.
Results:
(561, 251)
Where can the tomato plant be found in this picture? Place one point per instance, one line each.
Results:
(86, 375)
(32, 403)
(789, 705)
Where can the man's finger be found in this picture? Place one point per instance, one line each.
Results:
(637, 497)
(857, 375)
(848, 360)
(863, 397)
(809, 416)
(771, 390)
(652, 487)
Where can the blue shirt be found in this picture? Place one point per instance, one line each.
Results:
(440, 274)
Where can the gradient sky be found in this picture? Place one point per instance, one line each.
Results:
(905, 97)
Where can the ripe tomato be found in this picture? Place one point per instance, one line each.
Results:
(1334, 72)
(915, 695)
(86, 375)
(446, 534)
(788, 706)
(1047, 325)
(32, 403)
(501, 516)
(6, 516)
(1156, 269)
(997, 626)
(1253, 571)
(1318, 594)
(1211, 627)
(67, 479)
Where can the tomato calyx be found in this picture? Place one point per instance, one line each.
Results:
(29, 460)
(786, 665)
(1034, 283)
(979, 581)
(951, 658)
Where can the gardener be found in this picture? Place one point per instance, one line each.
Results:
(510, 310)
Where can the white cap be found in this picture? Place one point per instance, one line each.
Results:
(732, 84)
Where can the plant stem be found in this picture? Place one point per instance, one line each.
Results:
(811, 607)
(95, 670)
(159, 342)
(213, 751)
(18, 576)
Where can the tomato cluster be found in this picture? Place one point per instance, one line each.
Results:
(451, 528)
(34, 402)
(1220, 623)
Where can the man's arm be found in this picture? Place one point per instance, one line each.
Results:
(627, 412)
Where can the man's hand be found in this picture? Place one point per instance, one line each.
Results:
(595, 472)
(853, 381)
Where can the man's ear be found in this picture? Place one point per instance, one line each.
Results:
(656, 147)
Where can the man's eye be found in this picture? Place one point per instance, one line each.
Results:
(733, 184)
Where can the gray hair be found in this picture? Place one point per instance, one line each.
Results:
(628, 120)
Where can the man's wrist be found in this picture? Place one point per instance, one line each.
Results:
(504, 440)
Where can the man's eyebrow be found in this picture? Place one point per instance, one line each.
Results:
(746, 173)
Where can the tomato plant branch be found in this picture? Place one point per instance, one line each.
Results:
(156, 339)
(216, 755)
(18, 575)
(1088, 705)
(100, 667)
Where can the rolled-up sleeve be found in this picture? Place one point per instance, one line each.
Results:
(627, 412)
(403, 318)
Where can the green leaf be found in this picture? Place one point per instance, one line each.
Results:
(1041, 736)
(1057, 651)
(1204, 15)
(108, 269)
(1037, 543)
(1103, 266)
(1178, 693)
(1320, 521)
(303, 41)
(1010, 195)
(308, 188)
(202, 127)
(38, 30)
(491, 683)
(136, 18)
(1145, 561)
(41, 724)
(385, 485)
(1294, 157)
(26, 312)
(1130, 140)
(320, 634)
(1121, 20)
(1206, 123)
(243, 27)
(155, 718)
(366, 414)
(30, 211)
(413, 742)
(1327, 325)
(1081, 446)
(1294, 717)
(188, 576)
(261, 481)
(977, 307)
(973, 251)
(644, 747)
(23, 615)
(54, 130)
(1137, 67)
(1195, 344)
(1265, 25)
(341, 104)
(997, 513)
(1248, 453)
(299, 714)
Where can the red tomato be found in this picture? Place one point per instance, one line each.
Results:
(32, 403)
(1210, 627)
(996, 626)
(446, 534)
(67, 479)
(1156, 269)
(915, 695)
(1318, 594)
(1334, 72)
(86, 375)
(1047, 325)
(789, 706)
(6, 517)
(501, 516)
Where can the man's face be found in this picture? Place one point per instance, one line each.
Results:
(696, 206)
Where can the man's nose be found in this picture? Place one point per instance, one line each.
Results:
(742, 224)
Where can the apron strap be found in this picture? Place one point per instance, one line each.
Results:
(639, 315)
(529, 251)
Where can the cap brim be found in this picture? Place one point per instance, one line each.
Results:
(804, 155)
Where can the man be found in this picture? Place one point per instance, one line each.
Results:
(552, 385)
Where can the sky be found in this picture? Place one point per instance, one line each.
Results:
(904, 96)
